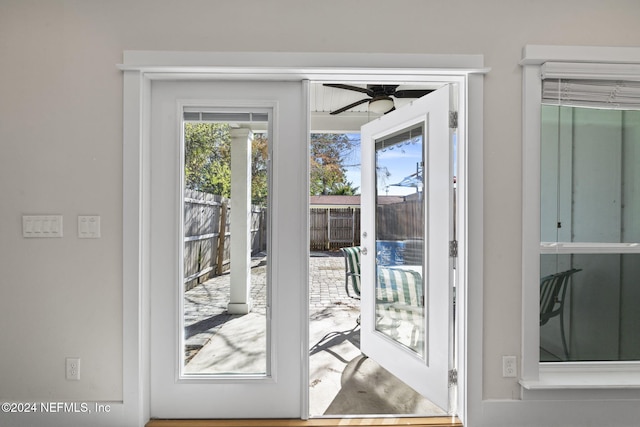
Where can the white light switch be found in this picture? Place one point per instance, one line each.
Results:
(89, 226)
(42, 225)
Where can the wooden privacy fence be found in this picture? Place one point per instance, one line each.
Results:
(401, 220)
(207, 235)
(400, 233)
(333, 228)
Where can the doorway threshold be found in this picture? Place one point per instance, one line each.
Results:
(316, 422)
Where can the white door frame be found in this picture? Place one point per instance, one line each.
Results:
(140, 67)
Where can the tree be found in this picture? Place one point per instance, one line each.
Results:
(207, 164)
(327, 171)
(259, 169)
(207, 158)
(344, 189)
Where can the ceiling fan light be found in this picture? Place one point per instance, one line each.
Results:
(381, 105)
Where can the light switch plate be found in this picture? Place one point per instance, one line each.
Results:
(89, 226)
(41, 226)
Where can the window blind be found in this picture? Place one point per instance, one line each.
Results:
(205, 116)
(611, 86)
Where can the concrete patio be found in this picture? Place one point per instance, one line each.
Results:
(341, 380)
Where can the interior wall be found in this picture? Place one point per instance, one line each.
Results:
(61, 147)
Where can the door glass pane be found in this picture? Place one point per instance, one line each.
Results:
(225, 285)
(590, 205)
(400, 231)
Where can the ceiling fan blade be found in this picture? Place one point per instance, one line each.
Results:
(411, 93)
(348, 107)
(383, 89)
(349, 87)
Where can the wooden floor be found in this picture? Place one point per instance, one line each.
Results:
(317, 422)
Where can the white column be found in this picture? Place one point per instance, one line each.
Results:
(240, 294)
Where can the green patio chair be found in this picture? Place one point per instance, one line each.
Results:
(352, 270)
(400, 303)
(400, 290)
(553, 289)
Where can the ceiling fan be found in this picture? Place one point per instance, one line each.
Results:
(379, 96)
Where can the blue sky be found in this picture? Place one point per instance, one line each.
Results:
(399, 161)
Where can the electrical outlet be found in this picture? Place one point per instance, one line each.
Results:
(509, 367)
(73, 368)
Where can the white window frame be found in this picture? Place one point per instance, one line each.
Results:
(563, 380)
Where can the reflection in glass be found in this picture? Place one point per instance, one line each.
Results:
(400, 312)
(601, 316)
(225, 245)
(590, 175)
(590, 205)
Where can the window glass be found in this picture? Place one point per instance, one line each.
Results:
(400, 230)
(601, 318)
(225, 285)
(590, 175)
(590, 205)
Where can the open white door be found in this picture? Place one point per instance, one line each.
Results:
(407, 279)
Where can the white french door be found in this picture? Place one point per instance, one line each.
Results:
(272, 387)
(407, 276)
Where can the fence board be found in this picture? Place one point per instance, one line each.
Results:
(329, 229)
(201, 229)
(318, 229)
(402, 221)
(333, 228)
(207, 235)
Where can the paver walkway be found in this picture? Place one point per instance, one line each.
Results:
(341, 382)
(205, 306)
(327, 286)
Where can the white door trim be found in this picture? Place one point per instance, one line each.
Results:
(140, 67)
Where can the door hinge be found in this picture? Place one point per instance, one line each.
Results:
(453, 119)
(453, 377)
(453, 248)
